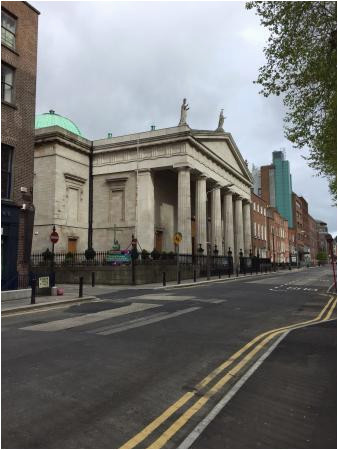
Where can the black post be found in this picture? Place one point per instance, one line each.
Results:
(53, 256)
(208, 261)
(93, 279)
(236, 270)
(33, 283)
(133, 278)
(81, 287)
(164, 281)
(194, 275)
(219, 273)
(179, 277)
(230, 262)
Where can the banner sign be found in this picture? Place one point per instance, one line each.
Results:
(118, 257)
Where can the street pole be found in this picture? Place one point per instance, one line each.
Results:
(330, 242)
(52, 268)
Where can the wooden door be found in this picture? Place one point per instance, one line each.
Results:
(72, 245)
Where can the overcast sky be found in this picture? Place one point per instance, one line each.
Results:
(121, 67)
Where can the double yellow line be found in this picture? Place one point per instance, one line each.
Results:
(259, 342)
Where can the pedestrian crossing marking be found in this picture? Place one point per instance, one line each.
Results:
(142, 322)
(72, 322)
(163, 297)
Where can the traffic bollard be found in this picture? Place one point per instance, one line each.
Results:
(93, 279)
(33, 291)
(219, 274)
(194, 275)
(81, 287)
(179, 277)
(164, 281)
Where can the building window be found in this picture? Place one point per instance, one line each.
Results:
(7, 83)
(8, 29)
(6, 170)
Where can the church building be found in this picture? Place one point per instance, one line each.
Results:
(149, 185)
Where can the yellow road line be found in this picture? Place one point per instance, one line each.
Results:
(181, 421)
(236, 355)
(331, 310)
(198, 405)
(158, 421)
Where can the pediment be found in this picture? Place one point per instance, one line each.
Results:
(225, 148)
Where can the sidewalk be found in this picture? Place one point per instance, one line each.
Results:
(71, 291)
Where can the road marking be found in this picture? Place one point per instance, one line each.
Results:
(162, 297)
(197, 431)
(64, 324)
(146, 321)
(331, 310)
(183, 419)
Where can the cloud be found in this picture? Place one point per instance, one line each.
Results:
(121, 67)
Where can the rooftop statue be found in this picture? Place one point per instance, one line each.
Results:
(184, 110)
(221, 121)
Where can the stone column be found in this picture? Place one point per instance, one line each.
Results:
(216, 221)
(247, 227)
(228, 218)
(184, 209)
(239, 235)
(145, 217)
(201, 213)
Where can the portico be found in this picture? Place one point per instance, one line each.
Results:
(159, 182)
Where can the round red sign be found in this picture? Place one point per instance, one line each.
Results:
(54, 237)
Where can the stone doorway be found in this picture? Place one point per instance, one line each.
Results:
(159, 240)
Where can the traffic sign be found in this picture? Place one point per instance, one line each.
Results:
(177, 238)
(54, 237)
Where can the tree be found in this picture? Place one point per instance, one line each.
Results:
(301, 64)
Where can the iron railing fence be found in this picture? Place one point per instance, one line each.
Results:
(103, 258)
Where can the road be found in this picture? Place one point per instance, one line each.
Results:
(144, 369)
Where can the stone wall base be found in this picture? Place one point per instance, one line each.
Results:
(122, 275)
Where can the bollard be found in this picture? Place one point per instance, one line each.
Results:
(194, 275)
(81, 287)
(33, 291)
(164, 281)
(219, 274)
(229, 273)
(179, 277)
(236, 271)
(93, 279)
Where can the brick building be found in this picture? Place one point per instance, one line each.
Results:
(312, 238)
(301, 226)
(19, 28)
(277, 237)
(259, 226)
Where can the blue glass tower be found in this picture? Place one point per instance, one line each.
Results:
(283, 186)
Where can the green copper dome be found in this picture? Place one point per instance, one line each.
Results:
(51, 119)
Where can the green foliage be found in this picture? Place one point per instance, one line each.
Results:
(90, 253)
(155, 254)
(322, 256)
(144, 254)
(301, 66)
(47, 255)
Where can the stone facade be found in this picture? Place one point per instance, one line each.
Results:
(149, 185)
(19, 60)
